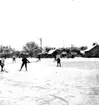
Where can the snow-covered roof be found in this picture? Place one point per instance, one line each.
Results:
(90, 47)
(64, 52)
(51, 51)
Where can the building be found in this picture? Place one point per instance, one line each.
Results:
(93, 51)
(53, 53)
(43, 54)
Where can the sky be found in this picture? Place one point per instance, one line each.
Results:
(60, 23)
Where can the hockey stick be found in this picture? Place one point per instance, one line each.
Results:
(5, 71)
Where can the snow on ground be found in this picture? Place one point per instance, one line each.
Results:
(75, 83)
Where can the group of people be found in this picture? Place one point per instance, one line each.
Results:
(25, 61)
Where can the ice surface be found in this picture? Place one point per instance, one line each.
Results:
(75, 83)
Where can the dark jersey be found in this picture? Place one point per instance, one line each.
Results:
(58, 60)
(24, 60)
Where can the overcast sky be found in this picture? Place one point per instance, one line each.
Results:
(59, 22)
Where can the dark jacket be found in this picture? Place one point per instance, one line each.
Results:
(25, 60)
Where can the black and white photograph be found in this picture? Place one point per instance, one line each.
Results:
(49, 52)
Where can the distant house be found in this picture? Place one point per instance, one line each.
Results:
(64, 53)
(53, 53)
(73, 52)
(43, 54)
(92, 52)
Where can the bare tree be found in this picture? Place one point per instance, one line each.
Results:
(31, 48)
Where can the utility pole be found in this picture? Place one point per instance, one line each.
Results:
(41, 46)
(63, 43)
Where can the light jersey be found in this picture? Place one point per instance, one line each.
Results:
(57, 56)
(13, 56)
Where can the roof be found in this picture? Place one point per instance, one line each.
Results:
(42, 53)
(90, 47)
(51, 51)
(64, 52)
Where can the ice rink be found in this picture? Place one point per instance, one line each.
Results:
(75, 83)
